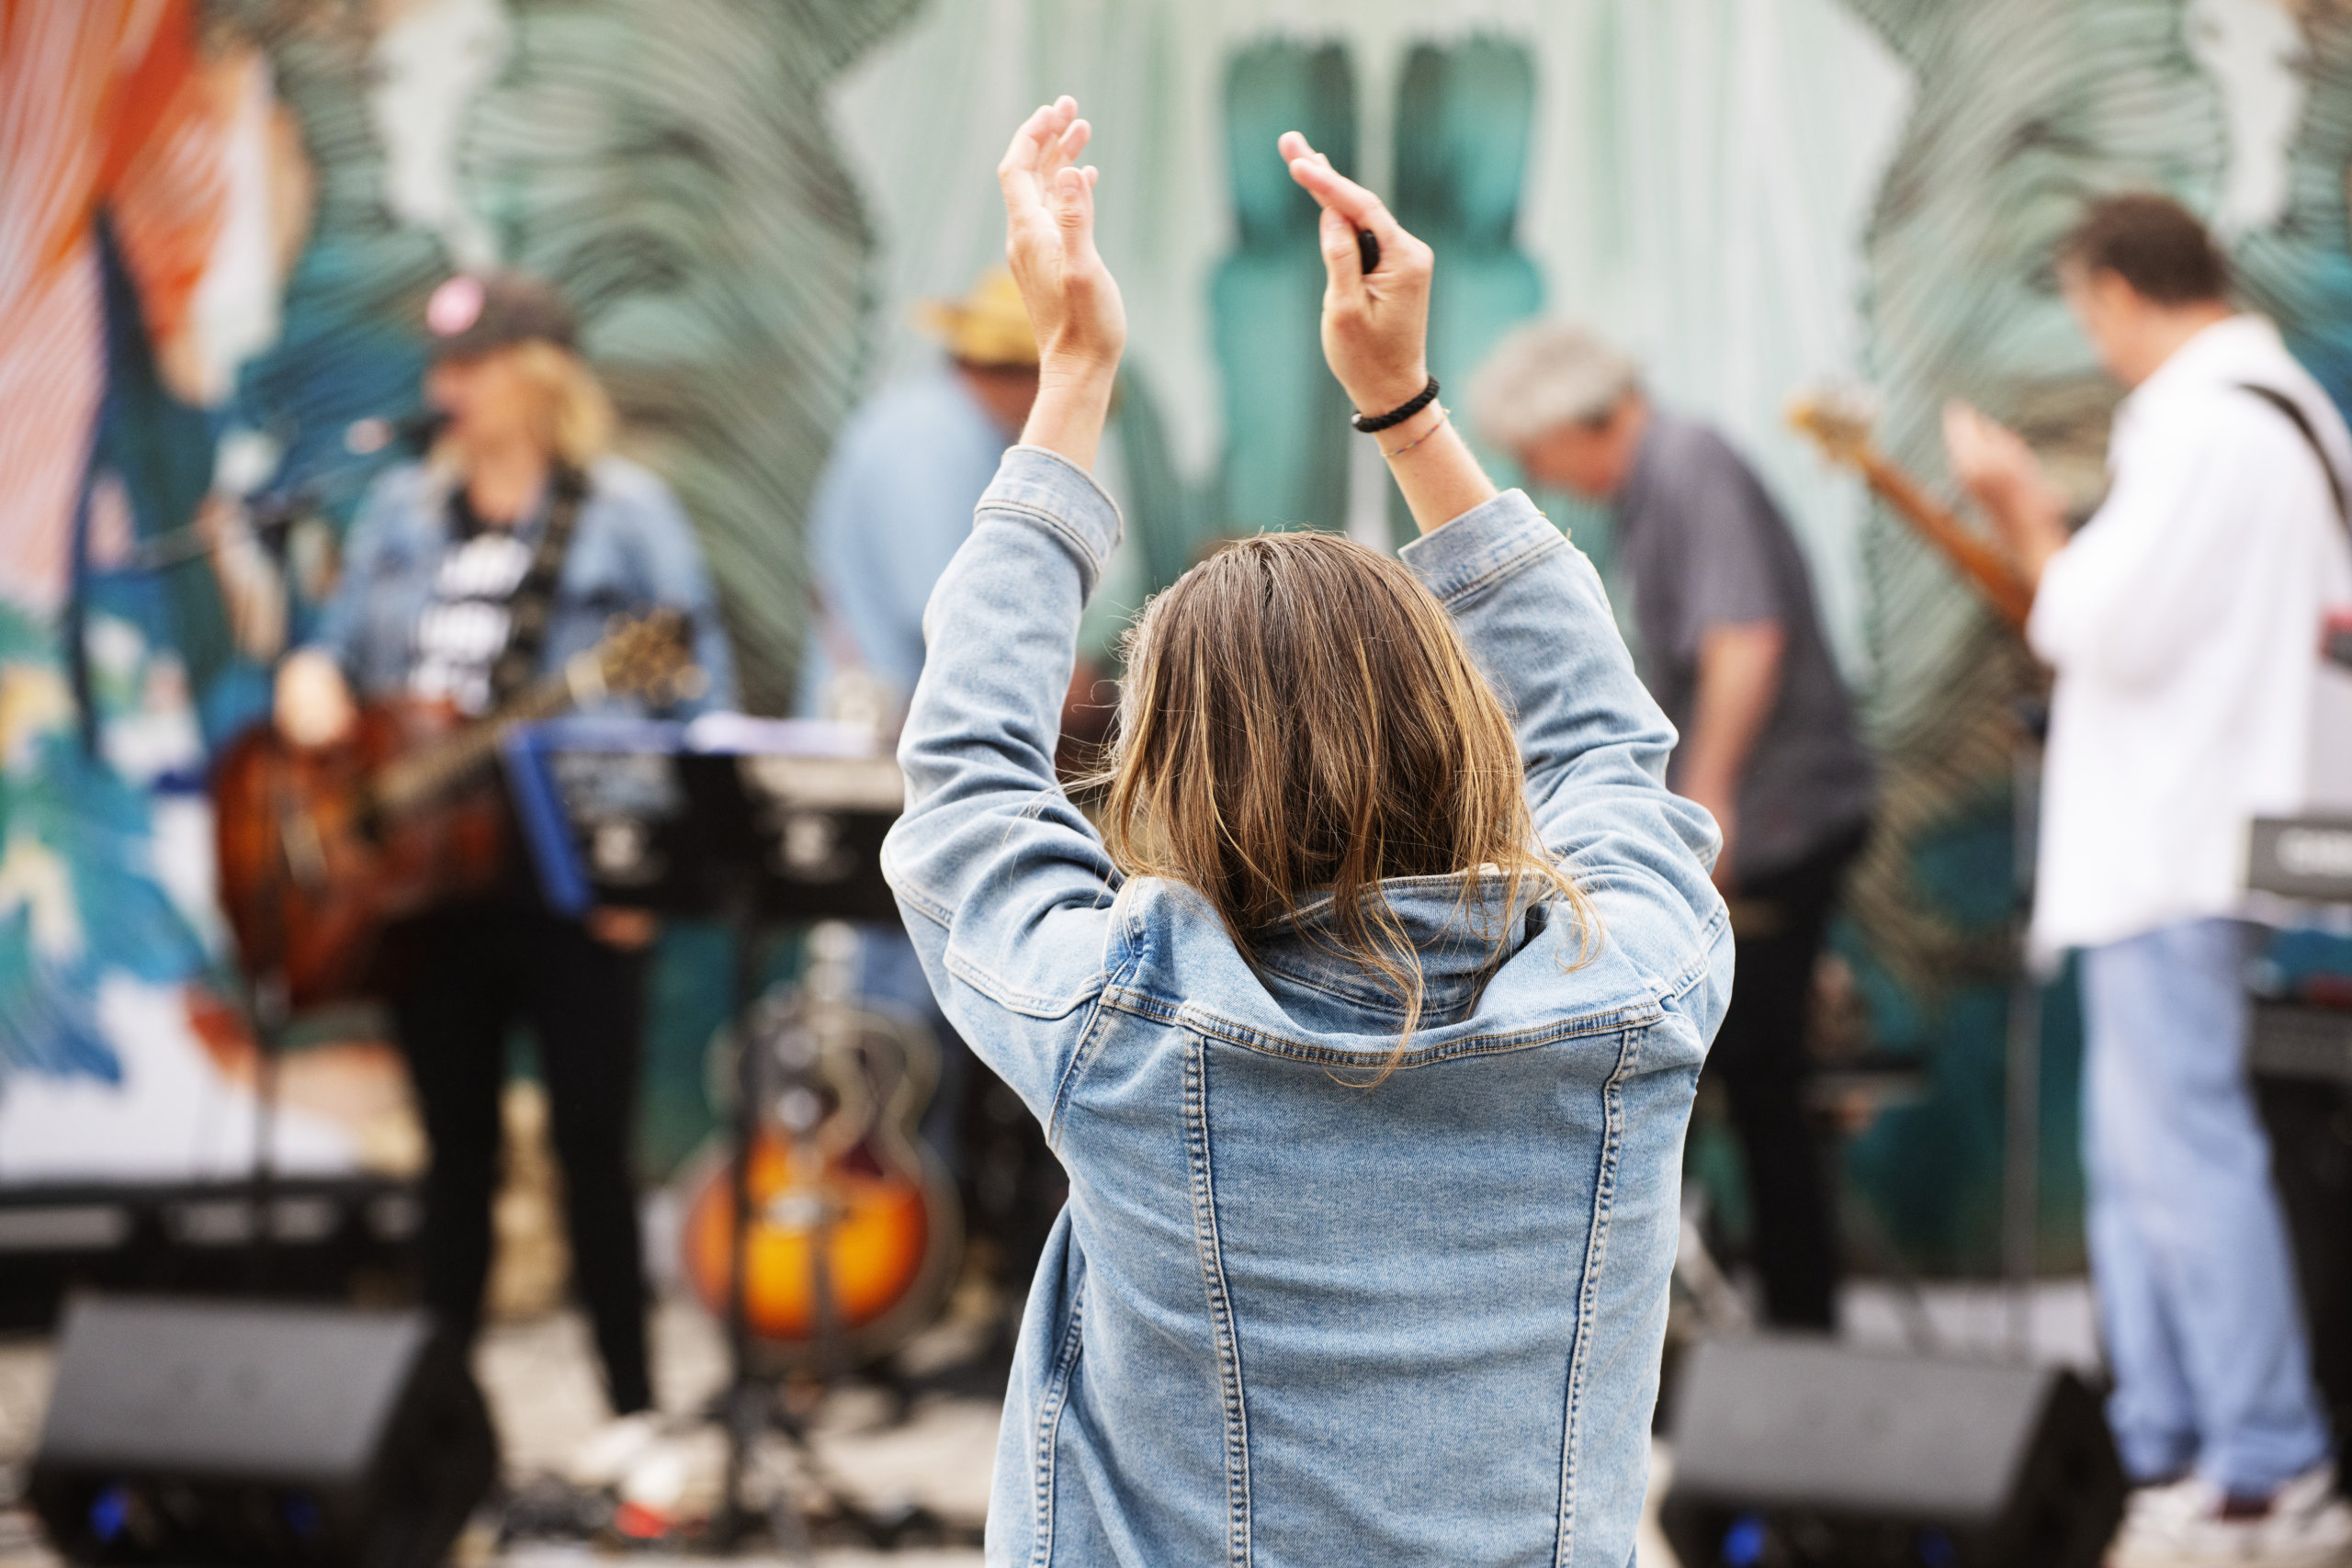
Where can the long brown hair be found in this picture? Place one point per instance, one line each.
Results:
(1300, 716)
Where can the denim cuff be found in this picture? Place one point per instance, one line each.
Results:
(1491, 540)
(1051, 490)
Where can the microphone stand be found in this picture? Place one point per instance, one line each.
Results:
(2021, 1088)
(271, 519)
(267, 1006)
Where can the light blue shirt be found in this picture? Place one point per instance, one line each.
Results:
(894, 504)
(1284, 1320)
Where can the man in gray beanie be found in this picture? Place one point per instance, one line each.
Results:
(1731, 647)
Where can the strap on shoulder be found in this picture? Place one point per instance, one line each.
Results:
(2295, 415)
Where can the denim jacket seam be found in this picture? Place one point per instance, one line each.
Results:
(1083, 476)
(1130, 953)
(1012, 998)
(1050, 1423)
(1321, 988)
(1702, 959)
(1142, 1004)
(909, 894)
(1222, 1327)
(1067, 533)
(1588, 1293)
(1090, 1040)
(1200, 1019)
(1089, 1036)
(1510, 565)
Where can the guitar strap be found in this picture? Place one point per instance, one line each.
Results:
(532, 606)
(2295, 416)
(2336, 626)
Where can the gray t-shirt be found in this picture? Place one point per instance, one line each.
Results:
(1702, 546)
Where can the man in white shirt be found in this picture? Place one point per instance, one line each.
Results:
(2183, 623)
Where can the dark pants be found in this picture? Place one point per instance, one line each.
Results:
(2309, 1124)
(1759, 1059)
(461, 979)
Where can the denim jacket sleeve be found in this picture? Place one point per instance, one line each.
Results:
(1005, 887)
(1594, 743)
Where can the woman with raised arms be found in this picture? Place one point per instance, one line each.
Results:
(1368, 1025)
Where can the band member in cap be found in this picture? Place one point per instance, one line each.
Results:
(438, 599)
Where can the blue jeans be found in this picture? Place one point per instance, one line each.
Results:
(2189, 1250)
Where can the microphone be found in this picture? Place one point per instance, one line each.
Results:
(365, 437)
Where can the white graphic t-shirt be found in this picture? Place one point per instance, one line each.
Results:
(463, 630)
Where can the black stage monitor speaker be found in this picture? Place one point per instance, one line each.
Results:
(232, 1432)
(1793, 1453)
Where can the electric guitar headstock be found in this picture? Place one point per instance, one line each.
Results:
(1839, 418)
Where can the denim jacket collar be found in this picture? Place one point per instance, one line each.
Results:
(1460, 935)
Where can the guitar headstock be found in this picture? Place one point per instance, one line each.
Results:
(650, 656)
(1839, 417)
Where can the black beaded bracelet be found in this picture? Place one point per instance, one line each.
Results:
(1398, 415)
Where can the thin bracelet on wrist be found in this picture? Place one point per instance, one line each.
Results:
(1416, 441)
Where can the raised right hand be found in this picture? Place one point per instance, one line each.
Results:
(311, 703)
(1375, 324)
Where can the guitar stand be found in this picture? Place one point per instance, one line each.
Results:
(757, 825)
(753, 1402)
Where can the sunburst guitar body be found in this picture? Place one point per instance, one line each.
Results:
(855, 1231)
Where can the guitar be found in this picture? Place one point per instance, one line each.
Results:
(854, 1229)
(1840, 421)
(318, 847)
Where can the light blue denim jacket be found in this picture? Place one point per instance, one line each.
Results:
(632, 550)
(1285, 1320)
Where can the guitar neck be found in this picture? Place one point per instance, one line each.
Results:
(1995, 575)
(424, 776)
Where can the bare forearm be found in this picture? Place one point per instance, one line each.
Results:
(1440, 476)
(1739, 682)
(1073, 404)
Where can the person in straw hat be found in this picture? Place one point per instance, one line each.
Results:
(896, 500)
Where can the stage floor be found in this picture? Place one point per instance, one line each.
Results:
(541, 1380)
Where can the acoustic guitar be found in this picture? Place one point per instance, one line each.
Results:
(855, 1230)
(1839, 422)
(320, 846)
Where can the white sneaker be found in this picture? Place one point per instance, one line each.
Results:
(2184, 1525)
(2164, 1500)
(606, 1455)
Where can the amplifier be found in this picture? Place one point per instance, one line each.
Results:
(2301, 857)
(2288, 1040)
(232, 1432)
(1797, 1453)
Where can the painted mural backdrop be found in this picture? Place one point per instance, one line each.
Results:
(218, 220)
